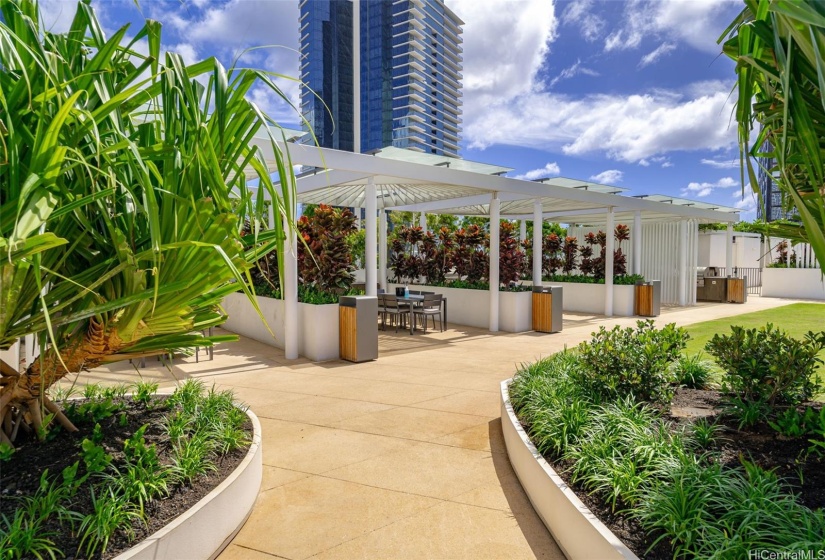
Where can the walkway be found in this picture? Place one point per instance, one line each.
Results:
(398, 458)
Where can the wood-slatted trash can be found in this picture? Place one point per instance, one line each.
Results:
(737, 290)
(547, 308)
(358, 328)
(647, 301)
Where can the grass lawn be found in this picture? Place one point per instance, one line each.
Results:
(796, 319)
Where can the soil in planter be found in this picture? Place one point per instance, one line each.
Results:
(20, 475)
(805, 476)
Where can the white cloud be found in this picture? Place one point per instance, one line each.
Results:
(492, 72)
(573, 71)
(747, 202)
(696, 22)
(625, 127)
(591, 25)
(550, 170)
(608, 177)
(57, 15)
(721, 164)
(704, 189)
(662, 50)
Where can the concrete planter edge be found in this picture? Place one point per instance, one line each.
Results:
(205, 529)
(575, 528)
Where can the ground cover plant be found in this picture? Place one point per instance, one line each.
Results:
(133, 465)
(668, 483)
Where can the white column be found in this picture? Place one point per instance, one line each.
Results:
(682, 271)
(729, 251)
(382, 249)
(356, 78)
(422, 221)
(370, 272)
(538, 220)
(609, 247)
(637, 242)
(495, 225)
(522, 230)
(290, 292)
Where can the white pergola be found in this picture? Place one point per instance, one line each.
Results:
(396, 179)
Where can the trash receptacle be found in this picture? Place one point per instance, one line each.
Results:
(737, 290)
(358, 328)
(648, 298)
(547, 308)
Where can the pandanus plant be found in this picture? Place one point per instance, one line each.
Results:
(779, 50)
(122, 195)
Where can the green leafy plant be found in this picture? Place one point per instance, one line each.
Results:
(94, 457)
(144, 391)
(23, 537)
(142, 478)
(816, 427)
(691, 371)
(704, 433)
(111, 512)
(6, 451)
(631, 361)
(767, 366)
(748, 413)
(623, 280)
(790, 423)
(190, 457)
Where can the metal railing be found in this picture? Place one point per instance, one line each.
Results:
(752, 276)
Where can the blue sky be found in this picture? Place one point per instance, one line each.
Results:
(633, 94)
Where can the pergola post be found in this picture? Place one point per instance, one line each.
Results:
(538, 221)
(495, 225)
(682, 272)
(608, 262)
(371, 204)
(522, 231)
(637, 242)
(422, 221)
(290, 294)
(382, 249)
(729, 251)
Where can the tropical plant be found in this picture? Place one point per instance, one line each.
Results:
(633, 362)
(768, 366)
(119, 233)
(780, 68)
(512, 261)
(324, 258)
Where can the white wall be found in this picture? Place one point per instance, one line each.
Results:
(797, 283)
(747, 248)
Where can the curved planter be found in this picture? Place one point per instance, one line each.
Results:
(204, 530)
(575, 528)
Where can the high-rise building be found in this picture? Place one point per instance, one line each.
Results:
(410, 74)
(770, 208)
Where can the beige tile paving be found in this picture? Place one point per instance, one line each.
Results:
(303, 518)
(402, 457)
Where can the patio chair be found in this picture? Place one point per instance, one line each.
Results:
(391, 308)
(430, 307)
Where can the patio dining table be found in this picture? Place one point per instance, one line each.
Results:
(412, 299)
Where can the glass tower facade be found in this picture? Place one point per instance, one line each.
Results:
(770, 208)
(411, 67)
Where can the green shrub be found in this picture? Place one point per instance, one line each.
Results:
(622, 362)
(111, 512)
(766, 365)
(691, 371)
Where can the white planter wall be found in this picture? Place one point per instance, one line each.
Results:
(472, 307)
(589, 298)
(318, 325)
(579, 533)
(797, 283)
(515, 311)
